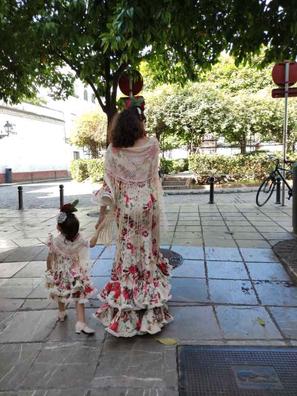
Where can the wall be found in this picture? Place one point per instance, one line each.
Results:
(38, 145)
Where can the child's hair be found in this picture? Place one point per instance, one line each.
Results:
(67, 221)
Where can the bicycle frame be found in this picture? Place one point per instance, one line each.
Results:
(278, 172)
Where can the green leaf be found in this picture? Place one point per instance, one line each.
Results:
(261, 322)
(167, 341)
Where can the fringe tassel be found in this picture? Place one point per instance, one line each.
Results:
(106, 229)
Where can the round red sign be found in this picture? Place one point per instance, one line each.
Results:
(136, 82)
(278, 73)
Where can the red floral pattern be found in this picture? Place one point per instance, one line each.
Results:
(134, 300)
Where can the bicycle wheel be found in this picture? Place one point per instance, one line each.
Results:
(265, 191)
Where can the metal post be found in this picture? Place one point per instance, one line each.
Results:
(61, 187)
(20, 197)
(211, 190)
(278, 190)
(285, 129)
(294, 208)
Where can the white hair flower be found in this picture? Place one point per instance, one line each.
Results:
(62, 216)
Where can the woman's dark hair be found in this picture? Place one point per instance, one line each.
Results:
(127, 127)
(70, 226)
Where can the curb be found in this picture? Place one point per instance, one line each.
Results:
(206, 191)
(33, 182)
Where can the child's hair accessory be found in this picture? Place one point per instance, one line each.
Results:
(62, 216)
(65, 210)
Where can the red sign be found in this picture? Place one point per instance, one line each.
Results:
(280, 92)
(278, 73)
(135, 78)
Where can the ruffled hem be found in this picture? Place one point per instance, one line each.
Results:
(130, 323)
(118, 296)
(78, 290)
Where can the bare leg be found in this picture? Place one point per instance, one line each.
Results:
(61, 306)
(62, 313)
(81, 325)
(80, 312)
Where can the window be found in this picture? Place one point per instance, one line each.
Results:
(93, 98)
(85, 95)
(76, 155)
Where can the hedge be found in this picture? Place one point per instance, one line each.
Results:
(87, 168)
(230, 169)
(173, 166)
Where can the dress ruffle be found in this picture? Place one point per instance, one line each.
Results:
(69, 286)
(136, 306)
(122, 323)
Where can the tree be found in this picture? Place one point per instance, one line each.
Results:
(51, 43)
(90, 133)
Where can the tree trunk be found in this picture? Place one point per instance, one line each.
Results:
(242, 147)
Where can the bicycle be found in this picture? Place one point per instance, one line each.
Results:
(267, 187)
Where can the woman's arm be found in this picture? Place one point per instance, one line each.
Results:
(102, 214)
(49, 262)
(94, 238)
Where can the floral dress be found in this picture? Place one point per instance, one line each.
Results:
(68, 280)
(134, 300)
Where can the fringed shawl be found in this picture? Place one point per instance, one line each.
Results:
(133, 166)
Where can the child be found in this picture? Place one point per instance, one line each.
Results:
(67, 267)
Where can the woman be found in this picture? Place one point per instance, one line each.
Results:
(135, 298)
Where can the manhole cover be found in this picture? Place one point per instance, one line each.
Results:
(237, 371)
(175, 259)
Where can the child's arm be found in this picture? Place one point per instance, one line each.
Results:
(49, 261)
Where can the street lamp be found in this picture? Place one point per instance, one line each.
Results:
(8, 130)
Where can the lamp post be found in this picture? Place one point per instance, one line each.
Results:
(7, 130)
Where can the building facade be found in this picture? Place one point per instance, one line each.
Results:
(38, 148)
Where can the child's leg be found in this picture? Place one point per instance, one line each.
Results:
(80, 312)
(62, 312)
(61, 306)
(81, 325)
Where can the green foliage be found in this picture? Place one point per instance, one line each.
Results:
(166, 166)
(90, 133)
(225, 168)
(79, 170)
(95, 169)
(83, 168)
(51, 43)
(173, 166)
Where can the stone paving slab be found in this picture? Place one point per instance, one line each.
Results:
(15, 363)
(229, 285)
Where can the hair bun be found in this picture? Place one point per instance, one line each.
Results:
(70, 207)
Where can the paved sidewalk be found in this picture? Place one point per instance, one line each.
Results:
(230, 290)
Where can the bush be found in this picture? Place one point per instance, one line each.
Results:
(83, 168)
(79, 170)
(166, 166)
(174, 166)
(180, 165)
(229, 169)
(95, 169)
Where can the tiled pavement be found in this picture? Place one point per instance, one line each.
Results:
(230, 290)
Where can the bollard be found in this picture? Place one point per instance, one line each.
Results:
(61, 187)
(211, 189)
(278, 190)
(294, 208)
(20, 196)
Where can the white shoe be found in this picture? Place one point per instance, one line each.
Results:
(81, 327)
(62, 315)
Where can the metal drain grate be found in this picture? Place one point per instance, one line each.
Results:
(175, 259)
(237, 371)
